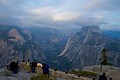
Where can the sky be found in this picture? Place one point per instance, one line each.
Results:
(61, 13)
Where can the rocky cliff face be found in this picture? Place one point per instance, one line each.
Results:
(15, 43)
(17, 37)
(84, 48)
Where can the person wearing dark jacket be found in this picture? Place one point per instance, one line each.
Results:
(103, 77)
(12, 64)
(16, 67)
(45, 69)
(33, 66)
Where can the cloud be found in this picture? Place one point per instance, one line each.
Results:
(107, 5)
(44, 12)
(54, 14)
(49, 16)
(108, 27)
(98, 16)
(59, 13)
(46, 0)
(65, 16)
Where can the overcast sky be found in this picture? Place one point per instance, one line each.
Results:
(61, 13)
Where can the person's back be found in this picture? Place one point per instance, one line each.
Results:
(16, 67)
(22, 64)
(43, 66)
(103, 77)
(46, 70)
(11, 66)
(28, 65)
(33, 66)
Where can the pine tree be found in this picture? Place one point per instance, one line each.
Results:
(104, 58)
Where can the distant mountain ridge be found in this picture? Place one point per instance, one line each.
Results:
(16, 43)
(112, 33)
(84, 48)
(45, 44)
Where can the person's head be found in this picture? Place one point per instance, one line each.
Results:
(16, 61)
(22, 60)
(93, 78)
(7, 66)
(13, 60)
(104, 74)
(43, 64)
(28, 60)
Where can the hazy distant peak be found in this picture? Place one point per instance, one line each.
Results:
(91, 29)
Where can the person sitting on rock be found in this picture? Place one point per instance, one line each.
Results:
(103, 77)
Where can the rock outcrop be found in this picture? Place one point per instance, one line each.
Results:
(111, 71)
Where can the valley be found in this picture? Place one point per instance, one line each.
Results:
(77, 48)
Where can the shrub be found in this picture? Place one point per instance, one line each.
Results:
(83, 73)
(41, 77)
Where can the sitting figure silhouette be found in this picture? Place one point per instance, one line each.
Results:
(103, 77)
